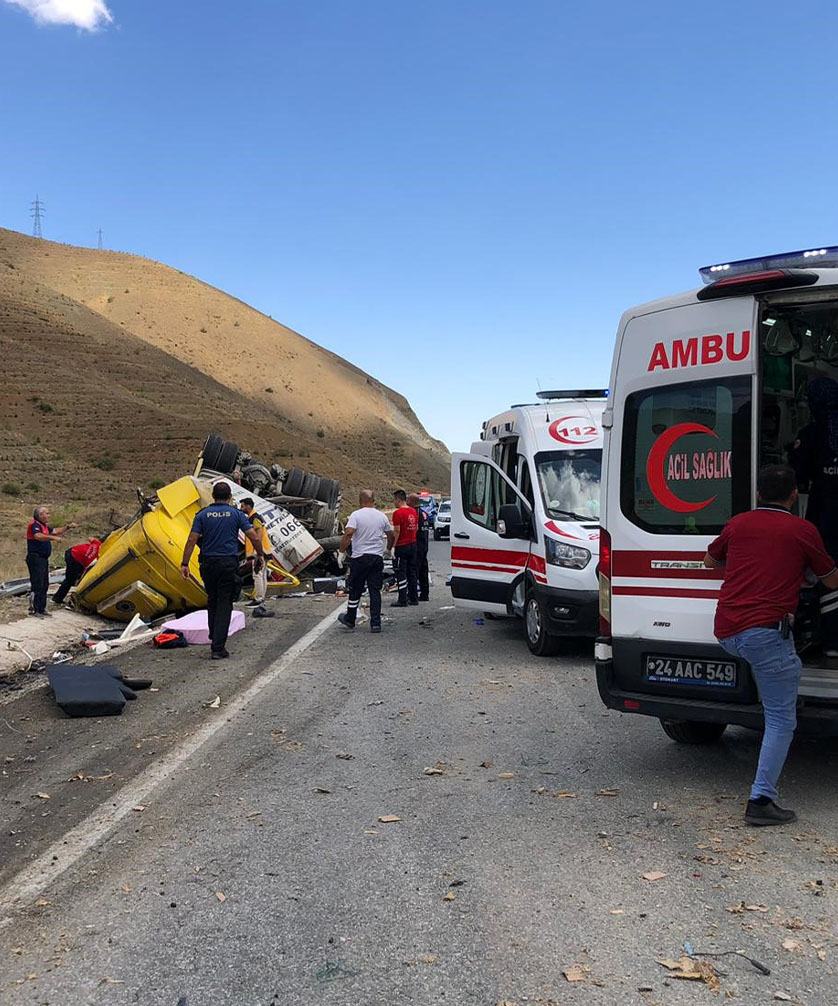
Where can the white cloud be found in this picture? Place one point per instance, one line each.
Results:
(88, 14)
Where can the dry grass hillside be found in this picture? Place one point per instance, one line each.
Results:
(115, 367)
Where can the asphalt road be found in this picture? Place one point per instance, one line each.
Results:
(260, 872)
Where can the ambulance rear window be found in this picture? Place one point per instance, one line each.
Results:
(686, 456)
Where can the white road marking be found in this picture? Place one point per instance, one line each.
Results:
(27, 885)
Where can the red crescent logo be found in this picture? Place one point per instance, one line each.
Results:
(654, 468)
(585, 431)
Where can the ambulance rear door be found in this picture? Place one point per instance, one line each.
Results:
(485, 567)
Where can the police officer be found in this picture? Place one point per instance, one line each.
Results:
(217, 528)
(814, 458)
(422, 528)
(39, 539)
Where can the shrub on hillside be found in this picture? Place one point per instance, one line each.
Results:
(11, 489)
(107, 464)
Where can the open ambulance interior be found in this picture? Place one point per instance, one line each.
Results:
(798, 387)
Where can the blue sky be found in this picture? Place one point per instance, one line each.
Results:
(460, 197)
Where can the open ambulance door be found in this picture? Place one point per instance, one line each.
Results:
(485, 567)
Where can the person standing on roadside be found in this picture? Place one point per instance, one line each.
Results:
(370, 534)
(216, 528)
(423, 525)
(766, 553)
(260, 576)
(405, 527)
(76, 561)
(39, 539)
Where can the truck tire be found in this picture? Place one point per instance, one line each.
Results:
(693, 731)
(328, 492)
(540, 642)
(211, 449)
(226, 457)
(311, 486)
(293, 484)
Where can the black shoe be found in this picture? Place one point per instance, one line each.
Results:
(216, 655)
(344, 621)
(424, 599)
(762, 814)
(399, 604)
(254, 603)
(375, 627)
(413, 604)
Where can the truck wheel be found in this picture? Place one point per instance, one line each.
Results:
(538, 639)
(211, 450)
(311, 485)
(693, 731)
(293, 484)
(227, 455)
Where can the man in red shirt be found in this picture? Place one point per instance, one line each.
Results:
(766, 554)
(76, 561)
(405, 526)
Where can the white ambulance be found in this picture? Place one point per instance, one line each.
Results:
(525, 517)
(706, 388)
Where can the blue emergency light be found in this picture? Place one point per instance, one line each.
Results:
(549, 396)
(819, 258)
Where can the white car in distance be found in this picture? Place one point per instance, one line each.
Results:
(442, 521)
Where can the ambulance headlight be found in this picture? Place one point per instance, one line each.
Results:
(569, 556)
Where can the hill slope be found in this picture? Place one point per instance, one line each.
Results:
(115, 367)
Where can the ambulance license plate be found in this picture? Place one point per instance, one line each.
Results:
(685, 671)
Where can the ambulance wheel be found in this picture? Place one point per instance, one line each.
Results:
(693, 731)
(540, 642)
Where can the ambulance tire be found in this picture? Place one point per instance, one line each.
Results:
(693, 731)
(293, 484)
(540, 642)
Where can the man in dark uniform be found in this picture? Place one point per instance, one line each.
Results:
(217, 528)
(814, 458)
(39, 539)
(422, 529)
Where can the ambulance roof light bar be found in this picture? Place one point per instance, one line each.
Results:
(822, 258)
(549, 396)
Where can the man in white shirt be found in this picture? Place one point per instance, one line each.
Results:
(371, 535)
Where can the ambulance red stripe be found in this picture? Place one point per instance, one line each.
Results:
(640, 563)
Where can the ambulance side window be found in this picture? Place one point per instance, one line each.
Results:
(484, 492)
(525, 483)
(686, 456)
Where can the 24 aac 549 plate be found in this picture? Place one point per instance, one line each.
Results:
(683, 671)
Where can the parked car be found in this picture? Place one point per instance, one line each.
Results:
(442, 521)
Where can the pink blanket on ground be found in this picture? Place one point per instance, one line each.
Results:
(194, 625)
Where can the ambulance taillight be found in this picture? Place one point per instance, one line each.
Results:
(604, 576)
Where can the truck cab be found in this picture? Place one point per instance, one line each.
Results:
(525, 517)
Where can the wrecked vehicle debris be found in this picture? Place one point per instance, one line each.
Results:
(138, 569)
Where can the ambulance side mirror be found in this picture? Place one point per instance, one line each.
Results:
(512, 523)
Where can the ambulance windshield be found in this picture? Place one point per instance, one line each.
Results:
(569, 482)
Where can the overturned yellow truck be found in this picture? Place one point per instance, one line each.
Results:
(138, 569)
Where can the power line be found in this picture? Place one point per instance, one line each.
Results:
(37, 211)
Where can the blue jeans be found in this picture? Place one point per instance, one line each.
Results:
(776, 668)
